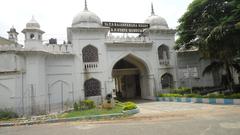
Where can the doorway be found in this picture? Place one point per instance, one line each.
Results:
(129, 78)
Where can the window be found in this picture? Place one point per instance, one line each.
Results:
(163, 52)
(90, 54)
(32, 36)
(92, 87)
(167, 81)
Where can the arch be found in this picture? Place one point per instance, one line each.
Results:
(58, 82)
(167, 81)
(131, 80)
(92, 87)
(90, 54)
(163, 52)
(135, 58)
(59, 95)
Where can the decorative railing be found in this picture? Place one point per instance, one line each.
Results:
(90, 66)
(59, 48)
(164, 62)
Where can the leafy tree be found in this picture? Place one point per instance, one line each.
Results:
(213, 26)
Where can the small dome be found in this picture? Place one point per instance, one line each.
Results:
(33, 24)
(155, 21)
(86, 19)
(12, 30)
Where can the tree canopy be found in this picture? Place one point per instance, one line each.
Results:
(213, 26)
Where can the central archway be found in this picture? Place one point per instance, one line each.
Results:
(130, 76)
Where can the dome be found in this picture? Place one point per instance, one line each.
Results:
(12, 30)
(86, 18)
(156, 22)
(33, 24)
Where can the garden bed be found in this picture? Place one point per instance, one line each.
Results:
(94, 113)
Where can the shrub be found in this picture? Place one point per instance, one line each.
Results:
(170, 95)
(234, 96)
(216, 96)
(129, 106)
(86, 104)
(6, 114)
(182, 90)
(192, 95)
(128, 103)
(75, 106)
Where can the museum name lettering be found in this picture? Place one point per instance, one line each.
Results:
(126, 25)
(126, 30)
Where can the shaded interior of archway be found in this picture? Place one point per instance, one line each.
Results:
(126, 73)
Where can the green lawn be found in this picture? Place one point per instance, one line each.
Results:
(95, 111)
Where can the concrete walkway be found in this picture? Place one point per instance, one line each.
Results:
(153, 109)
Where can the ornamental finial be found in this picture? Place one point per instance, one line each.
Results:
(86, 8)
(152, 9)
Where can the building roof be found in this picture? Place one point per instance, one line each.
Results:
(4, 41)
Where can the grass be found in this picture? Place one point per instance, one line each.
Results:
(95, 111)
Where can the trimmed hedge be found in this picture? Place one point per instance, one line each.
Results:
(170, 95)
(181, 90)
(129, 106)
(84, 105)
(232, 96)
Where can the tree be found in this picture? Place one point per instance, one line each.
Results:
(213, 26)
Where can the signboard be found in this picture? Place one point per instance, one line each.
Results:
(119, 27)
(189, 72)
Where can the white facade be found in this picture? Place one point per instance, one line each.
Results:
(40, 78)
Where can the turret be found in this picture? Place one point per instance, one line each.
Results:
(12, 34)
(33, 35)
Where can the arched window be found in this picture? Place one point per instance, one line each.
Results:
(90, 54)
(163, 52)
(92, 87)
(167, 81)
(32, 36)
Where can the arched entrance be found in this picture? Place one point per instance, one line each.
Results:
(130, 76)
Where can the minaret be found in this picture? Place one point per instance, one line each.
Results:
(33, 34)
(12, 34)
(35, 66)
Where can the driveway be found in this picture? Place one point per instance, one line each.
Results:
(155, 118)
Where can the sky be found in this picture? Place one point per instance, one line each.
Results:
(54, 16)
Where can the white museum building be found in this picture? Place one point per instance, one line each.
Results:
(38, 78)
